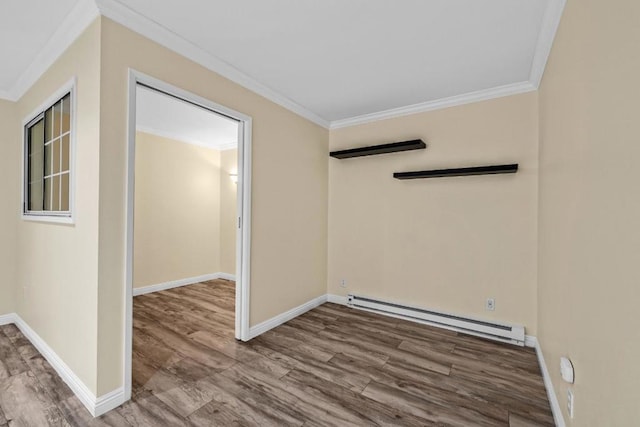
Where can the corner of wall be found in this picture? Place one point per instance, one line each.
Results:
(10, 206)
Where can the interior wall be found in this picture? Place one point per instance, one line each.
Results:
(229, 211)
(590, 210)
(57, 279)
(445, 243)
(10, 171)
(177, 210)
(289, 249)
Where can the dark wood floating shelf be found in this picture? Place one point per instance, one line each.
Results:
(394, 147)
(439, 173)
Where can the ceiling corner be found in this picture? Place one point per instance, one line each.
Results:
(80, 17)
(550, 24)
(131, 19)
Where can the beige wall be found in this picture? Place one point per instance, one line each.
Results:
(590, 210)
(177, 210)
(289, 226)
(228, 212)
(10, 142)
(57, 280)
(446, 243)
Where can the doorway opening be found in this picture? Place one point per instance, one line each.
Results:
(188, 223)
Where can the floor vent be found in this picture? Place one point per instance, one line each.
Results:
(512, 334)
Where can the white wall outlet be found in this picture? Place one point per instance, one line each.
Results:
(343, 283)
(490, 304)
(570, 403)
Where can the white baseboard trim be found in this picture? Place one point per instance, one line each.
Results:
(548, 385)
(278, 320)
(108, 401)
(181, 282)
(95, 406)
(530, 341)
(6, 319)
(337, 299)
(226, 276)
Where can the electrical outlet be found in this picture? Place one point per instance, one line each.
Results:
(491, 304)
(343, 283)
(570, 402)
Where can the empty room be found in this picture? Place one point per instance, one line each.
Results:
(303, 213)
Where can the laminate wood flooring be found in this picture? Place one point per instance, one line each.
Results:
(332, 366)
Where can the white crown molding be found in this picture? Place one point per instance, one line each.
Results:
(96, 406)
(467, 98)
(228, 146)
(181, 138)
(122, 14)
(226, 276)
(548, 31)
(86, 11)
(80, 17)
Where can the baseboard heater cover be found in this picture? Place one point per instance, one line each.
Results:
(513, 334)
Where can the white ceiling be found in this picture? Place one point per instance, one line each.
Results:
(25, 27)
(169, 117)
(335, 62)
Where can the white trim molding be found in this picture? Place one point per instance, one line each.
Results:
(131, 19)
(438, 104)
(337, 299)
(181, 282)
(530, 341)
(85, 12)
(547, 35)
(80, 17)
(69, 87)
(548, 385)
(95, 405)
(7, 319)
(278, 320)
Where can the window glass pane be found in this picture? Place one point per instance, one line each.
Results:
(48, 122)
(47, 192)
(66, 113)
(35, 163)
(64, 184)
(56, 156)
(35, 166)
(55, 195)
(65, 153)
(57, 119)
(35, 196)
(47, 159)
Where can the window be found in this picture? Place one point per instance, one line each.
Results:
(47, 181)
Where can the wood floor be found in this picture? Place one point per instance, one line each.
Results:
(330, 366)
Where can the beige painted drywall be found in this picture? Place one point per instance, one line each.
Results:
(289, 225)
(57, 280)
(590, 211)
(446, 243)
(228, 211)
(177, 210)
(10, 203)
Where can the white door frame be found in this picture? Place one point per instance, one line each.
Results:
(243, 235)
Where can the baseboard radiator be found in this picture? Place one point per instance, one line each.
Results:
(512, 334)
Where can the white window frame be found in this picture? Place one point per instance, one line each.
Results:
(51, 216)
